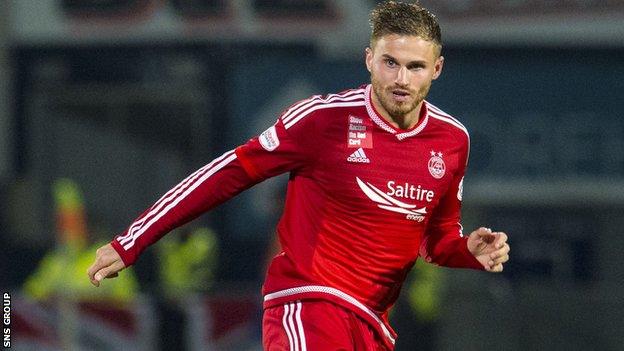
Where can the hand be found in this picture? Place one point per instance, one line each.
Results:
(491, 249)
(107, 264)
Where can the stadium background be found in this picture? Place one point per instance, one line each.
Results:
(127, 97)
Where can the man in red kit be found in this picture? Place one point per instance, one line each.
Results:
(375, 182)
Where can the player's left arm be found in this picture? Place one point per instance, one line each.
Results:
(444, 243)
(489, 248)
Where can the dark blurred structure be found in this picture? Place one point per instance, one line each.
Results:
(129, 96)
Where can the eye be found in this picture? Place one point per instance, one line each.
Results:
(390, 63)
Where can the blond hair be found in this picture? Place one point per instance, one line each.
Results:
(392, 17)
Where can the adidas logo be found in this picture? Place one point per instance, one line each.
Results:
(358, 156)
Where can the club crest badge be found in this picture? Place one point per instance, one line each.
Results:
(437, 168)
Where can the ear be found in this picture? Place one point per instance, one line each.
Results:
(437, 68)
(369, 58)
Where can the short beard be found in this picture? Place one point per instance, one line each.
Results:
(397, 111)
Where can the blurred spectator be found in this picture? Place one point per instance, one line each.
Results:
(187, 262)
(61, 271)
(418, 309)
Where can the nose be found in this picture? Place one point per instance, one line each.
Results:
(402, 77)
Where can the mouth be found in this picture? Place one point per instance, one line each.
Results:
(400, 95)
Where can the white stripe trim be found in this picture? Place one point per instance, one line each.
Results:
(300, 103)
(158, 204)
(437, 109)
(286, 327)
(177, 200)
(456, 123)
(323, 106)
(318, 97)
(300, 326)
(334, 292)
(318, 100)
(304, 109)
(291, 325)
(440, 112)
(298, 108)
(448, 120)
(170, 194)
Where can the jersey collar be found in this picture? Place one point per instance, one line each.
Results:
(381, 122)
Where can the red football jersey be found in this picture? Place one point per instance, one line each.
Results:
(364, 200)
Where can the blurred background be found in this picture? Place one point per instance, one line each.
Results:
(105, 105)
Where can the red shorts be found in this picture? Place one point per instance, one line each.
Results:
(317, 325)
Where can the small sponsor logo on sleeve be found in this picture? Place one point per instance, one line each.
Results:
(269, 140)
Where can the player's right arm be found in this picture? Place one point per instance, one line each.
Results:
(107, 264)
(209, 186)
(275, 151)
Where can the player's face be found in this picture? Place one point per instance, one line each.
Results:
(402, 68)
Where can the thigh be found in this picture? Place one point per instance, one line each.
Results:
(307, 326)
(365, 337)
